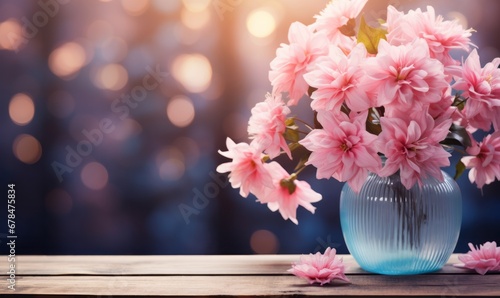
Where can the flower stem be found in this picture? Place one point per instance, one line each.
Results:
(303, 122)
(456, 149)
(294, 175)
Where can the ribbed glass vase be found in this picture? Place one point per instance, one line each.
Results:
(391, 230)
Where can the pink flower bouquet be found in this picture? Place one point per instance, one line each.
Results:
(391, 91)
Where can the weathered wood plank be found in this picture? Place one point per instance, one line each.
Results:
(362, 285)
(176, 265)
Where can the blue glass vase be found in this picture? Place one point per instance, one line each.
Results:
(391, 230)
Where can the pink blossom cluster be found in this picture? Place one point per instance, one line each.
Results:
(384, 100)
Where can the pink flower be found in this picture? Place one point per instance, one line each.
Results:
(343, 149)
(483, 259)
(287, 193)
(485, 164)
(292, 61)
(337, 78)
(482, 88)
(444, 106)
(405, 77)
(246, 168)
(412, 147)
(267, 125)
(335, 15)
(441, 36)
(320, 268)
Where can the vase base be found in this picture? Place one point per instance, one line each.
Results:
(402, 266)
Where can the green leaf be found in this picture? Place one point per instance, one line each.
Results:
(460, 168)
(459, 102)
(317, 125)
(290, 121)
(373, 122)
(310, 91)
(370, 36)
(291, 133)
(348, 29)
(294, 146)
(302, 162)
(457, 136)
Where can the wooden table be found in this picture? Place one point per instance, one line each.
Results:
(249, 275)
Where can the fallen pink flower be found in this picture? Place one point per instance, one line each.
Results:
(483, 259)
(320, 268)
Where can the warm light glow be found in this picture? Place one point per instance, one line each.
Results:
(170, 163)
(100, 30)
(261, 23)
(111, 77)
(58, 201)
(193, 71)
(460, 17)
(195, 20)
(135, 7)
(21, 109)
(27, 149)
(196, 5)
(180, 111)
(67, 59)
(169, 6)
(125, 129)
(11, 35)
(94, 176)
(169, 152)
(171, 169)
(264, 242)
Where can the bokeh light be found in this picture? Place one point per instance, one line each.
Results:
(21, 109)
(196, 5)
(135, 7)
(58, 201)
(111, 76)
(11, 35)
(170, 6)
(125, 129)
(195, 20)
(264, 242)
(27, 149)
(100, 30)
(94, 176)
(261, 23)
(170, 163)
(193, 71)
(460, 17)
(180, 111)
(67, 59)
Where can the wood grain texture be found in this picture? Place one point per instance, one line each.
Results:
(249, 275)
(176, 265)
(361, 285)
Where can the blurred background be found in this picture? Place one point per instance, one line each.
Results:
(112, 113)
